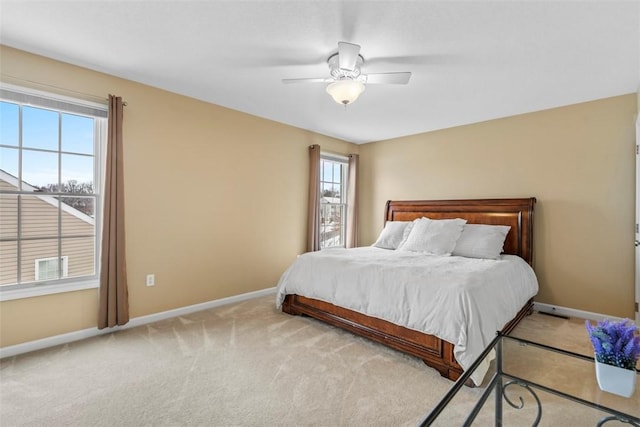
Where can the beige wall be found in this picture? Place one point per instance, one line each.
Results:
(215, 199)
(579, 161)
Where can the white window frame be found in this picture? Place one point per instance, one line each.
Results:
(344, 163)
(68, 105)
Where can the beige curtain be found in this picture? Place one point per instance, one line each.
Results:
(352, 202)
(114, 299)
(313, 221)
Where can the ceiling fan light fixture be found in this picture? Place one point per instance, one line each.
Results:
(345, 91)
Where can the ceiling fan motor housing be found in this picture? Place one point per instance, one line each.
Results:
(341, 73)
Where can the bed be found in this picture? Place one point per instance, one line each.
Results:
(442, 354)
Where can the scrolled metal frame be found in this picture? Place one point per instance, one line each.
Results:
(617, 418)
(521, 405)
(497, 386)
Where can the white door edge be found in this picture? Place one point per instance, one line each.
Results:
(637, 228)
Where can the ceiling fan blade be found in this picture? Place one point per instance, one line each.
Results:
(348, 55)
(401, 78)
(426, 59)
(308, 80)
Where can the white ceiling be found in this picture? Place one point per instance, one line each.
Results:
(471, 61)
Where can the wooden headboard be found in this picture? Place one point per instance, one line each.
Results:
(517, 213)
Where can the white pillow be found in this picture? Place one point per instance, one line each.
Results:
(435, 237)
(481, 241)
(406, 233)
(392, 234)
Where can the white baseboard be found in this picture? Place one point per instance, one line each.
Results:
(143, 320)
(570, 312)
(137, 321)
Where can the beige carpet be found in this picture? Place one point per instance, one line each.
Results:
(240, 365)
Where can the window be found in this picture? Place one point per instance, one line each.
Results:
(50, 268)
(50, 187)
(333, 201)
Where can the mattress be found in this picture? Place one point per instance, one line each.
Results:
(461, 300)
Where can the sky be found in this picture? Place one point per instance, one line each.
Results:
(330, 175)
(41, 131)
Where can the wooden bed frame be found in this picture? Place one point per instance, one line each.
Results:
(436, 353)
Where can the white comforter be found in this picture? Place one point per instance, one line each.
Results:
(461, 300)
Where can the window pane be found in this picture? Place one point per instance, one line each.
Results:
(39, 216)
(78, 215)
(9, 162)
(81, 256)
(39, 128)
(330, 233)
(324, 213)
(8, 216)
(331, 226)
(77, 174)
(327, 171)
(9, 123)
(39, 170)
(31, 250)
(77, 134)
(337, 172)
(326, 189)
(335, 215)
(8, 263)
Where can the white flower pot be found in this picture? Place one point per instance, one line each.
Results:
(616, 380)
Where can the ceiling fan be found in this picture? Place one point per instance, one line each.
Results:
(346, 81)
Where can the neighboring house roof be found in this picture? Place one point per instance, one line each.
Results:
(13, 181)
(335, 200)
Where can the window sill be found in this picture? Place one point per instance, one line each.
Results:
(29, 291)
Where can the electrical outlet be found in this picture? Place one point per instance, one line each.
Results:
(151, 280)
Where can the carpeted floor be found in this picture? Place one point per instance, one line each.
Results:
(244, 364)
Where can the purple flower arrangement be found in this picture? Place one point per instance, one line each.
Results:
(615, 343)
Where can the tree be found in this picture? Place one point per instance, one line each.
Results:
(330, 193)
(72, 187)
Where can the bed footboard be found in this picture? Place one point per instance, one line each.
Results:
(434, 351)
